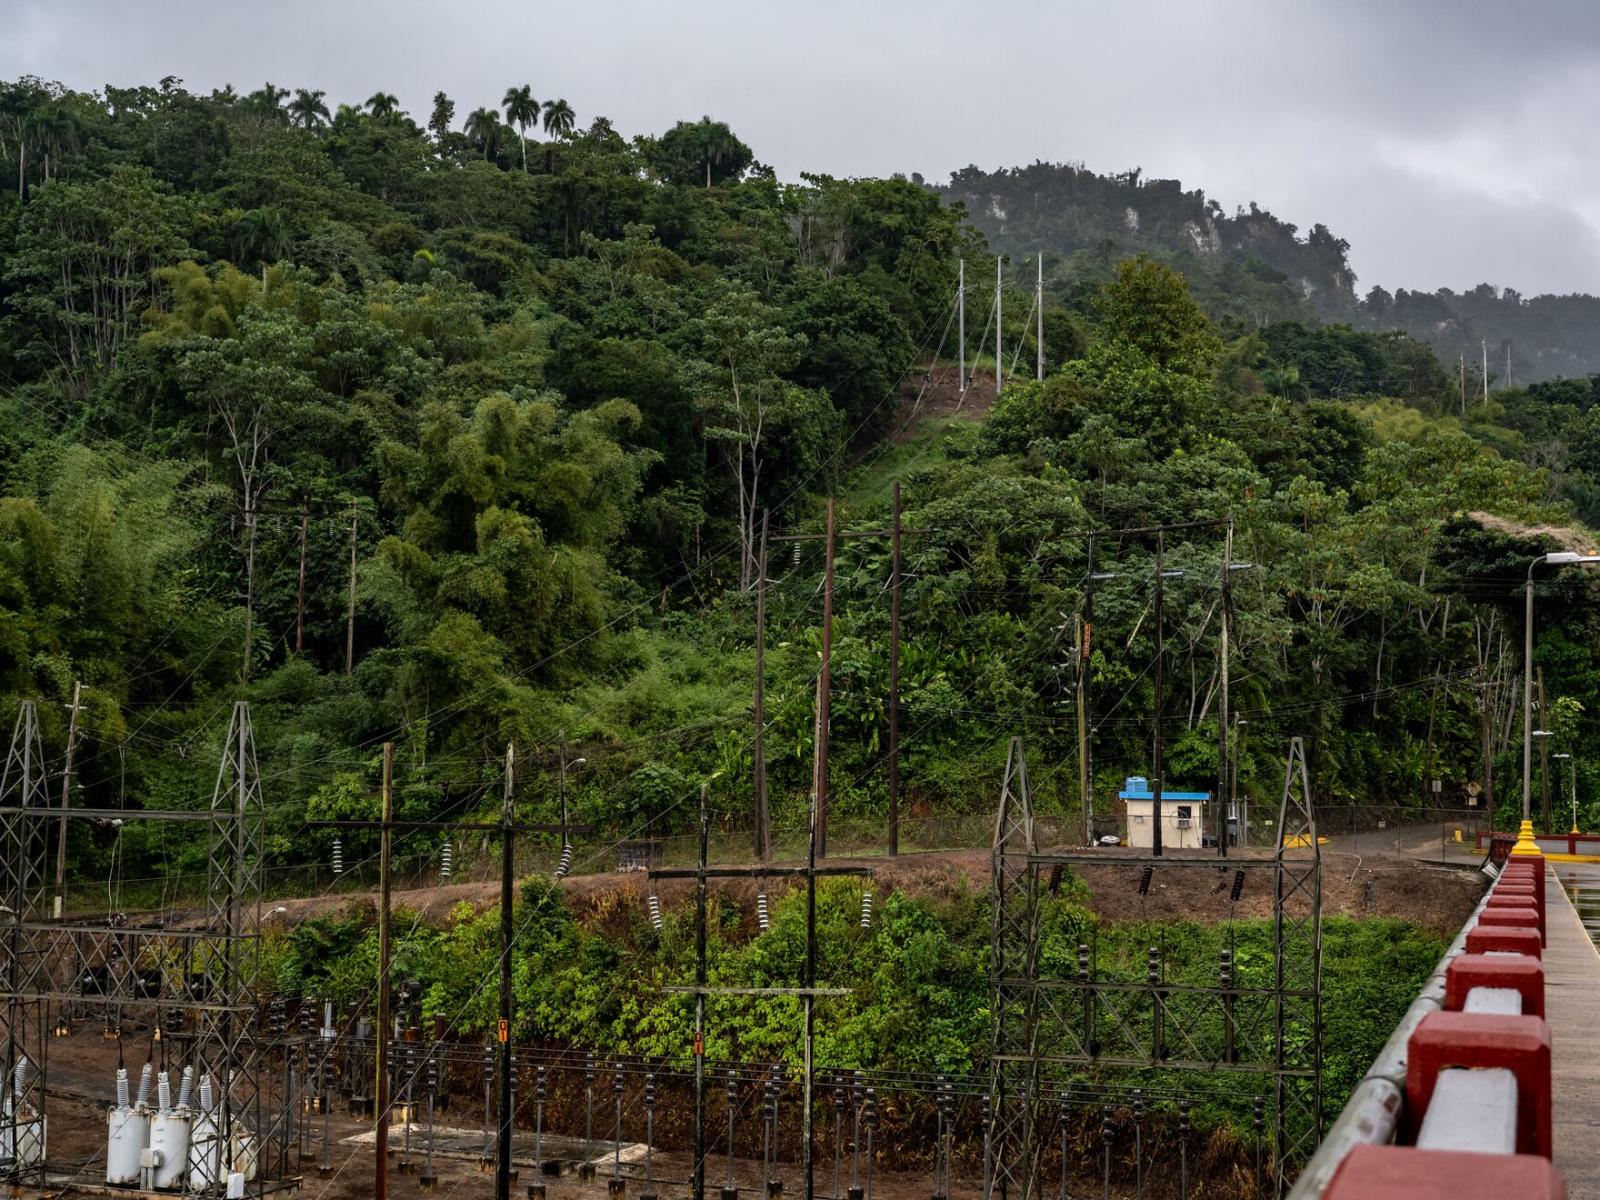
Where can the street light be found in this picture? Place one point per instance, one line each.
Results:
(1559, 558)
(1572, 780)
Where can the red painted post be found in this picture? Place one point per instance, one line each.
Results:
(1405, 1173)
(1512, 941)
(1509, 918)
(1517, 897)
(1520, 1045)
(1519, 972)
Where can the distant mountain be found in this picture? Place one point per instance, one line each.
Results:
(1254, 268)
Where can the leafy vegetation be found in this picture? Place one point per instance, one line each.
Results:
(539, 384)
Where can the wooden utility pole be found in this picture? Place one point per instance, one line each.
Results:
(1544, 755)
(1038, 329)
(1225, 614)
(1486, 370)
(1085, 640)
(1160, 746)
(300, 598)
(824, 688)
(759, 747)
(961, 320)
(1461, 369)
(66, 798)
(249, 581)
(350, 613)
(380, 1131)
(999, 328)
(502, 1163)
(894, 676)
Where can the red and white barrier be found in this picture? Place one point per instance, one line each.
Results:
(1464, 1085)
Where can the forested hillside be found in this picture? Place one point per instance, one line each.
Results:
(1253, 267)
(460, 431)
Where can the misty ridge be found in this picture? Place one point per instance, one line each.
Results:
(1253, 268)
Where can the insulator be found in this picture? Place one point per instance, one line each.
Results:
(616, 1083)
(871, 1113)
(185, 1086)
(866, 910)
(1064, 1110)
(650, 1090)
(19, 1078)
(207, 1096)
(763, 919)
(1238, 886)
(433, 1073)
(797, 554)
(565, 865)
(733, 1087)
(655, 910)
(986, 1111)
(1055, 879)
(1183, 1116)
(1144, 880)
(1256, 1118)
(338, 857)
(1225, 971)
(144, 1085)
(1153, 965)
(1138, 1104)
(538, 1085)
(1106, 1128)
(122, 1087)
(164, 1092)
(588, 1071)
(445, 853)
(1083, 963)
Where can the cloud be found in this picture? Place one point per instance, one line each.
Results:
(1448, 140)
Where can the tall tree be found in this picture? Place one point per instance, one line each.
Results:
(442, 117)
(308, 109)
(558, 122)
(522, 110)
(383, 105)
(483, 130)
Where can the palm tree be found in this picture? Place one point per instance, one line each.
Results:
(558, 122)
(717, 144)
(268, 101)
(308, 109)
(483, 127)
(54, 130)
(383, 106)
(261, 234)
(522, 110)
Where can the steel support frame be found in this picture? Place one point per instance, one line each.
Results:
(1092, 1023)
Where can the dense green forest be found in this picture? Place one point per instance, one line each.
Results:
(460, 432)
(1253, 267)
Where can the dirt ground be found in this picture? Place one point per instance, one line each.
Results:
(1430, 895)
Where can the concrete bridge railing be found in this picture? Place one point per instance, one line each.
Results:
(1458, 1104)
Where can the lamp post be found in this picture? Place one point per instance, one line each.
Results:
(1525, 839)
(1572, 782)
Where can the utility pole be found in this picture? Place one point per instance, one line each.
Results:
(1224, 607)
(1544, 754)
(66, 798)
(999, 328)
(300, 596)
(1508, 362)
(502, 1164)
(350, 615)
(698, 1176)
(1461, 367)
(961, 319)
(1486, 370)
(824, 688)
(894, 676)
(1085, 640)
(249, 580)
(1038, 329)
(1160, 748)
(380, 1131)
(759, 749)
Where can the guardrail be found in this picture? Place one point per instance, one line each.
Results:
(1457, 1104)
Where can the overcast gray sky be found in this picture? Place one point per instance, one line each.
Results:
(1450, 141)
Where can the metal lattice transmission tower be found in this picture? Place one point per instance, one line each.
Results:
(1013, 955)
(229, 954)
(23, 787)
(1061, 1033)
(1297, 958)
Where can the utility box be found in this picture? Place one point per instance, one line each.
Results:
(1183, 816)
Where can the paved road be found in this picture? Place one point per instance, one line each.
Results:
(1433, 841)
